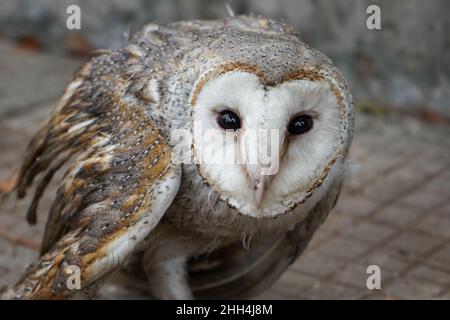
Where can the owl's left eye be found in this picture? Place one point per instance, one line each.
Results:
(300, 124)
(228, 120)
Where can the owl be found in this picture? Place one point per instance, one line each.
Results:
(145, 133)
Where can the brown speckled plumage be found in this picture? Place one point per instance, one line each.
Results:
(106, 190)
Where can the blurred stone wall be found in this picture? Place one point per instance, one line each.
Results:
(405, 65)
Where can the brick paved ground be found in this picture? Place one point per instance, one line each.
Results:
(394, 211)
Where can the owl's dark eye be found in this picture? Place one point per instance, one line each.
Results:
(300, 124)
(228, 120)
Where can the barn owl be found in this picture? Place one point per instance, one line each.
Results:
(128, 202)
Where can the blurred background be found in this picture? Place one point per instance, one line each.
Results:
(395, 209)
(405, 65)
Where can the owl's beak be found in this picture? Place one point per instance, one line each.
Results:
(259, 184)
(260, 166)
(259, 188)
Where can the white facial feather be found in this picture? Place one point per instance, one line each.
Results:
(261, 107)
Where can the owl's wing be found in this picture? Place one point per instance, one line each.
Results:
(111, 197)
(239, 273)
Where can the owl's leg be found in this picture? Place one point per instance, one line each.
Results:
(166, 271)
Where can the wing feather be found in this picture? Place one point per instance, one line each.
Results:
(114, 193)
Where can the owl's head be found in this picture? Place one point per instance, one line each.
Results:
(267, 147)
(271, 120)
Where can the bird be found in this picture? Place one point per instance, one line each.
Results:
(142, 132)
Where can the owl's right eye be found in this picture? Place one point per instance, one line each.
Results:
(229, 120)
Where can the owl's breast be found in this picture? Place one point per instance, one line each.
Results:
(198, 210)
